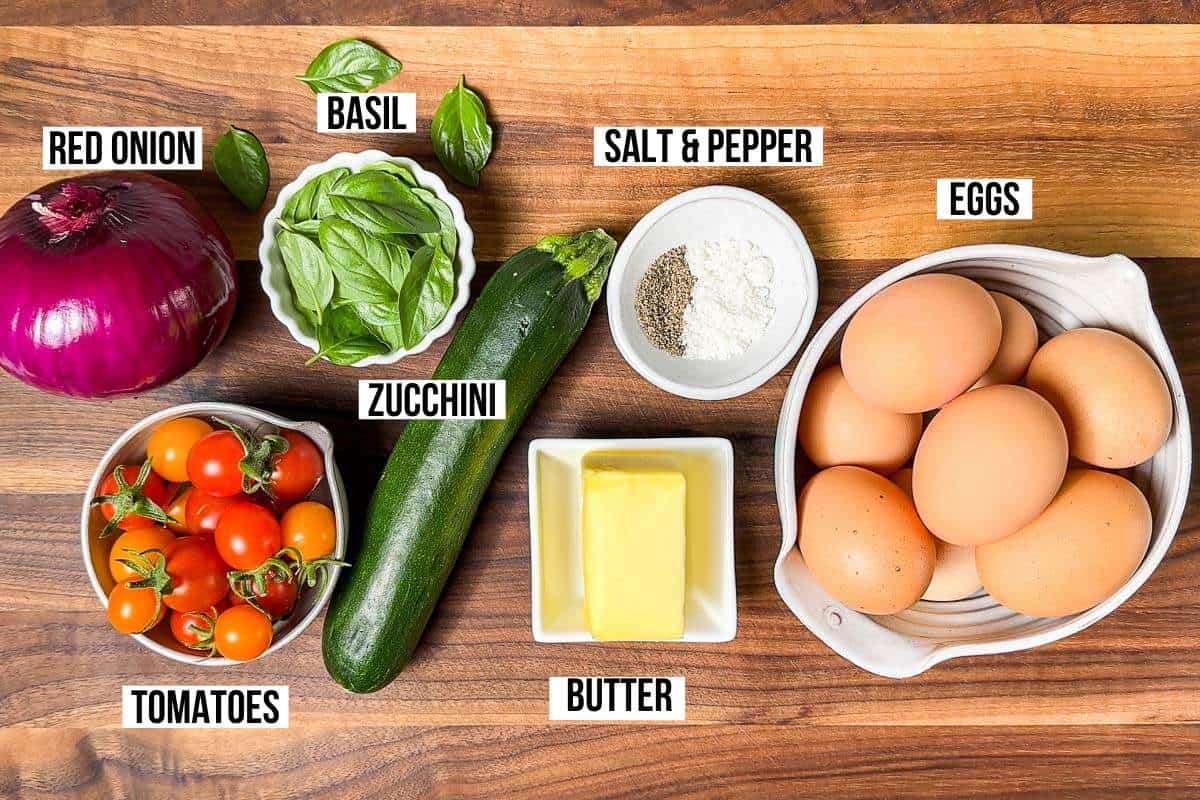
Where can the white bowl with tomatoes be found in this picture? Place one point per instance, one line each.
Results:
(228, 544)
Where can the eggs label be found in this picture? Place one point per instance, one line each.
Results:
(400, 399)
(376, 112)
(617, 699)
(121, 148)
(204, 706)
(721, 147)
(985, 198)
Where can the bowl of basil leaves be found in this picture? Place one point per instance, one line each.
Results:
(366, 258)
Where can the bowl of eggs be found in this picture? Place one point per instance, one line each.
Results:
(983, 450)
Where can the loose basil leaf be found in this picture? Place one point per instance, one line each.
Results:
(242, 166)
(447, 236)
(343, 338)
(303, 205)
(399, 170)
(381, 205)
(462, 137)
(426, 295)
(383, 321)
(350, 65)
(308, 272)
(309, 228)
(367, 269)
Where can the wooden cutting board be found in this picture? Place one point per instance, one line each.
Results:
(1104, 119)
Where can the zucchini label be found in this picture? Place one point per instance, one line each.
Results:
(204, 706)
(618, 699)
(457, 400)
(708, 147)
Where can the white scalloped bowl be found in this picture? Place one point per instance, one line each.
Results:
(274, 278)
(130, 448)
(1062, 291)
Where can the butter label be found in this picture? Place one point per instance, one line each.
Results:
(618, 699)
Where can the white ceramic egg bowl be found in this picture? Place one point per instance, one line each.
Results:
(1062, 291)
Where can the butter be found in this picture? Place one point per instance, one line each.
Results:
(633, 552)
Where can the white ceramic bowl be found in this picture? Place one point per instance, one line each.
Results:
(1062, 291)
(556, 538)
(274, 277)
(715, 212)
(130, 448)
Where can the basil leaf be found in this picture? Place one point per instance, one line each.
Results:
(349, 65)
(308, 272)
(447, 235)
(399, 170)
(367, 269)
(308, 228)
(426, 295)
(381, 205)
(343, 339)
(383, 322)
(242, 166)
(462, 137)
(303, 205)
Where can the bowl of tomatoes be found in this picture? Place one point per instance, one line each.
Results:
(213, 533)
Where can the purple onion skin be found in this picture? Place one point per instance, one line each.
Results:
(110, 284)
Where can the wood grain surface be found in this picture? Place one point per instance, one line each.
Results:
(1086, 112)
(1104, 118)
(592, 12)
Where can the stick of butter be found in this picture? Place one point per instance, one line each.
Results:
(633, 552)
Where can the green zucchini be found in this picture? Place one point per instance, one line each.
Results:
(524, 323)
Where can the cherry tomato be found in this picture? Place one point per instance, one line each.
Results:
(214, 464)
(170, 443)
(279, 598)
(297, 470)
(247, 535)
(194, 629)
(310, 528)
(197, 574)
(204, 511)
(133, 542)
(153, 489)
(133, 610)
(177, 506)
(242, 633)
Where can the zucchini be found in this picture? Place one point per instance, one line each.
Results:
(524, 323)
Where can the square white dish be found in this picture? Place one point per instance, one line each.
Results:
(555, 533)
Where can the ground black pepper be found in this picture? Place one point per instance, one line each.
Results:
(662, 295)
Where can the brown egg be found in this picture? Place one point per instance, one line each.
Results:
(1081, 549)
(1018, 343)
(988, 463)
(861, 538)
(954, 575)
(921, 342)
(837, 427)
(1110, 394)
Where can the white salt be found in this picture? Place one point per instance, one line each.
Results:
(732, 302)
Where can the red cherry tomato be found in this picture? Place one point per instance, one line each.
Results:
(194, 629)
(296, 471)
(176, 507)
(197, 574)
(214, 464)
(279, 598)
(153, 489)
(247, 535)
(204, 511)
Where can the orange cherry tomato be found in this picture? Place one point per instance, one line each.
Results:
(242, 633)
(177, 506)
(170, 444)
(296, 471)
(310, 528)
(134, 610)
(133, 542)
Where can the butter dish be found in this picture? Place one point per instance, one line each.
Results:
(556, 532)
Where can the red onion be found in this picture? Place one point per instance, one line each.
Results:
(111, 283)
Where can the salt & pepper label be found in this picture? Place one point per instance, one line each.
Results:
(708, 146)
(121, 148)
